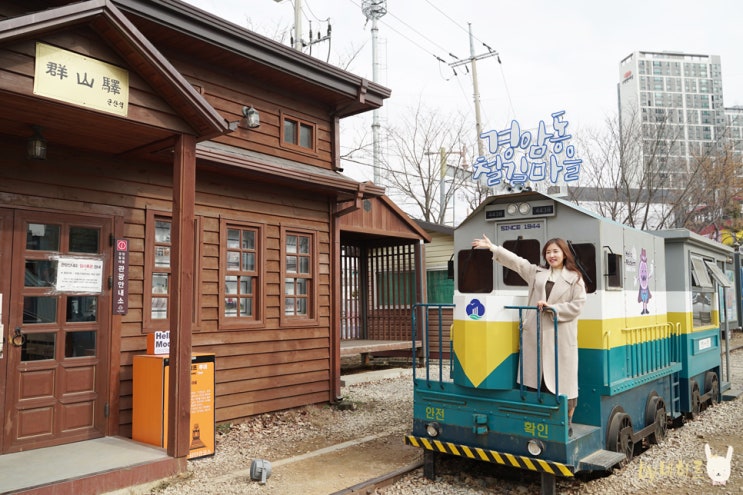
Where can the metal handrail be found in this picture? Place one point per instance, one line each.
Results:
(539, 351)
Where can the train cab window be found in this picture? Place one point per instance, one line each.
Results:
(475, 271)
(528, 249)
(702, 292)
(585, 257)
(614, 271)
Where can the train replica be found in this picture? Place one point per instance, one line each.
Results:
(649, 342)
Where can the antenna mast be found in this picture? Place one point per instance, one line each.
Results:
(375, 10)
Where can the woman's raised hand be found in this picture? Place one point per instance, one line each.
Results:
(482, 243)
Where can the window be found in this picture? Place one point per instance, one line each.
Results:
(475, 271)
(614, 271)
(240, 264)
(299, 260)
(298, 133)
(702, 293)
(159, 274)
(440, 287)
(526, 248)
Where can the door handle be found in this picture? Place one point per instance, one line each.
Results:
(18, 339)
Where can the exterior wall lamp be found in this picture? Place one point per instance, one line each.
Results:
(252, 117)
(36, 145)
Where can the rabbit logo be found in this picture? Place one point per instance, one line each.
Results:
(718, 467)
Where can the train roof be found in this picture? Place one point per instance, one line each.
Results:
(685, 235)
(532, 195)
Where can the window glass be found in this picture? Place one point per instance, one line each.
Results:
(241, 262)
(39, 309)
(475, 271)
(614, 270)
(526, 248)
(84, 240)
(298, 274)
(40, 273)
(80, 344)
(38, 346)
(42, 237)
(290, 131)
(305, 136)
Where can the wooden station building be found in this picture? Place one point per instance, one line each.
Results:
(139, 194)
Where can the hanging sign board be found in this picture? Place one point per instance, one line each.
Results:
(120, 305)
(73, 78)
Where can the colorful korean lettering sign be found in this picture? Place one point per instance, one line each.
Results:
(517, 156)
(80, 80)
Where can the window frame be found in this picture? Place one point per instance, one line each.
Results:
(149, 323)
(299, 121)
(312, 286)
(242, 322)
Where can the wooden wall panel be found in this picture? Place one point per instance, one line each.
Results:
(258, 369)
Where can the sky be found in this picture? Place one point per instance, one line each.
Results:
(553, 55)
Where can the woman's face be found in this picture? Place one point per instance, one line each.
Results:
(554, 256)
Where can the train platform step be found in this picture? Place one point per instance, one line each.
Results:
(601, 459)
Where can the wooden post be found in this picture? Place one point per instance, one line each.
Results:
(181, 300)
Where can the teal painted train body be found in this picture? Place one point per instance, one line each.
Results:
(649, 342)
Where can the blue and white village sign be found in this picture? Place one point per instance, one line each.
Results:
(516, 157)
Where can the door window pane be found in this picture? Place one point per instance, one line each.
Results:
(42, 237)
(84, 240)
(79, 344)
(41, 309)
(82, 308)
(40, 273)
(38, 346)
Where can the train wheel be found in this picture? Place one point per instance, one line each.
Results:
(619, 435)
(655, 414)
(712, 387)
(696, 401)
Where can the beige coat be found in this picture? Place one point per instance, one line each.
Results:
(567, 297)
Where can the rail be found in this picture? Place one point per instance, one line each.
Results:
(650, 348)
(425, 309)
(521, 310)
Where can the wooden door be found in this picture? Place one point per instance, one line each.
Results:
(58, 330)
(6, 236)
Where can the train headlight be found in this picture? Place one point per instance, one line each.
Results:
(433, 429)
(524, 208)
(535, 447)
(512, 209)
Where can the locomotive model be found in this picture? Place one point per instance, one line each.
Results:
(649, 342)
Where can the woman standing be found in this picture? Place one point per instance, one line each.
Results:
(557, 285)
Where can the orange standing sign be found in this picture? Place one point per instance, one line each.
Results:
(150, 402)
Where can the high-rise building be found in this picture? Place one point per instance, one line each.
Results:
(673, 101)
(734, 117)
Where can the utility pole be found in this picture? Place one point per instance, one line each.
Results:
(473, 60)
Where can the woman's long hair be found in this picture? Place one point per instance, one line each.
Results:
(568, 258)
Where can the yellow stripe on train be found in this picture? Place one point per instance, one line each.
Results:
(518, 461)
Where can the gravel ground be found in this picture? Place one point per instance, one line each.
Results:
(677, 466)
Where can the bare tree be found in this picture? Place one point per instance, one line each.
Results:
(640, 173)
(427, 162)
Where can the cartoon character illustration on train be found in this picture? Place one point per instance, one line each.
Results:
(648, 308)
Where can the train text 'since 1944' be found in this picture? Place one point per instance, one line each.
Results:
(649, 342)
